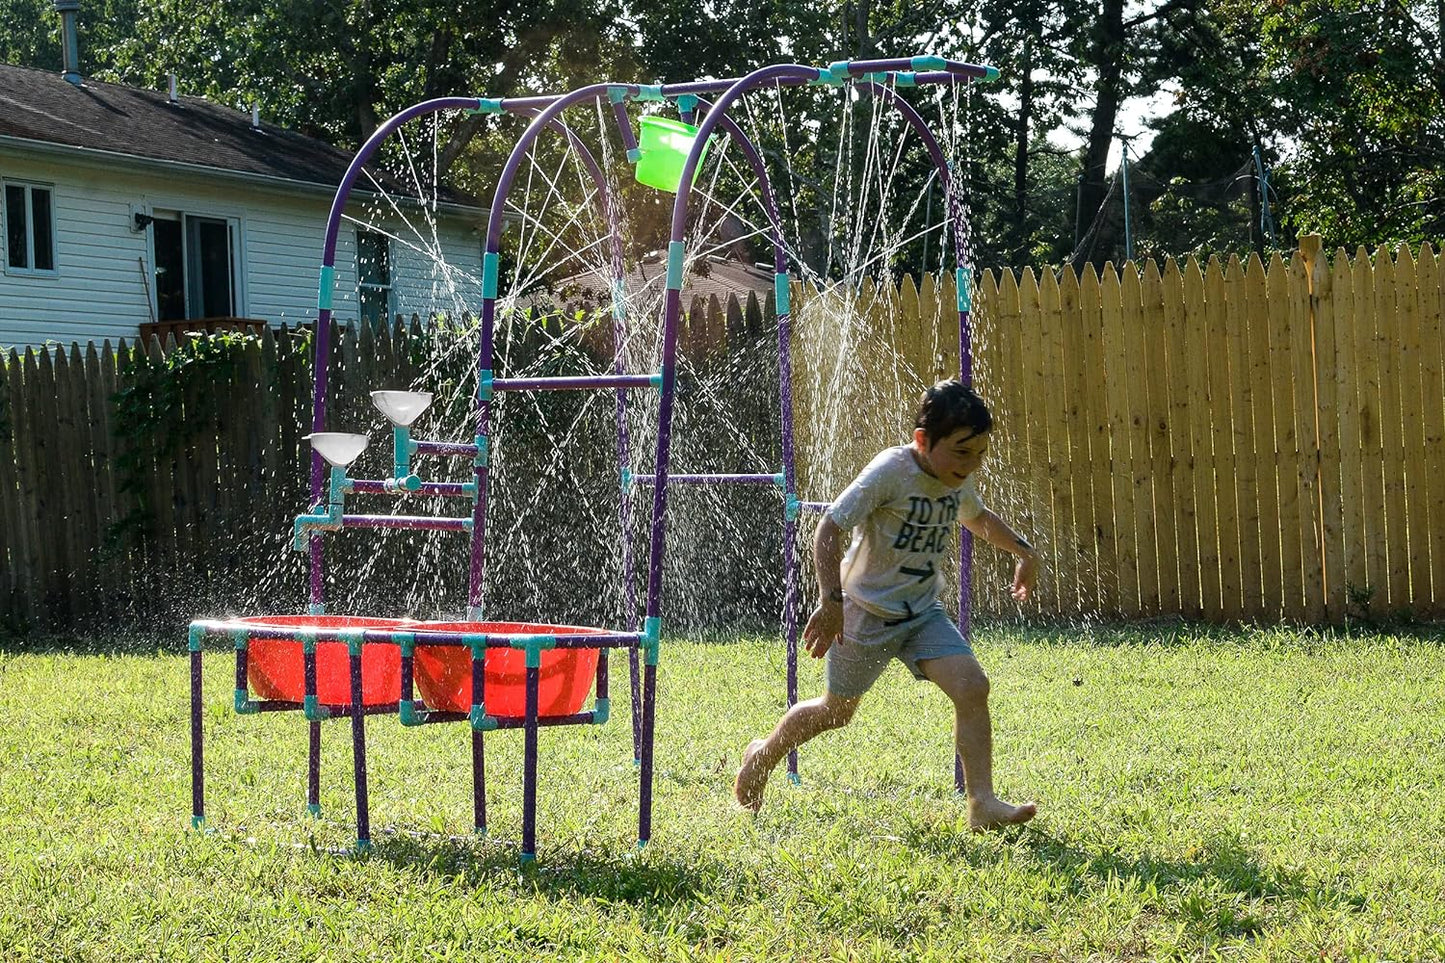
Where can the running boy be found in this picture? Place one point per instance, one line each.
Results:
(880, 601)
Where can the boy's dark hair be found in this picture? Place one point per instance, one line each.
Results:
(949, 406)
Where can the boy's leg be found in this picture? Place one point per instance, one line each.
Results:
(962, 679)
(801, 723)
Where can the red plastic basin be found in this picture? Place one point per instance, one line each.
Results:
(276, 668)
(443, 673)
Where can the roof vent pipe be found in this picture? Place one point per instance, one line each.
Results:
(172, 95)
(256, 116)
(69, 43)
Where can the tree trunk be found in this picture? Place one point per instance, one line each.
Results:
(1109, 61)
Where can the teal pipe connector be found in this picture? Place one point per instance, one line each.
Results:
(245, 706)
(406, 641)
(782, 293)
(401, 451)
(308, 641)
(964, 277)
(686, 103)
(990, 74)
(626, 480)
(240, 638)
(363, 847)
(354, 639)
(326, 288)
(651, 638)
(601, 711)
(650, 92)
(905, 78)
(795, 779)
(780, 479)
(475, 613)
(825, 78)
(534, 645)
(483, 457)
(792, 507)
(527, 858)
(619, 300)
(481, 722)
(675, 254)
(491, 263)
(316, 608)
(484, 384)
(313, 710)
(198, 822)
(412, 712)
(634, 154)
(655, 380)
(487, 105)
(331, 521)
(194, 637)
(617, 94)
(929, 63)
(314, 809)
(477, 642)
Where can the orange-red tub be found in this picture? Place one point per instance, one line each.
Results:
(276, 667)
(443, 673)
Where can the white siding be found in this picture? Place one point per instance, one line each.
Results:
(103, 267)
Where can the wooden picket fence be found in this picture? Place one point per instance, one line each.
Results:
(1226, 442)
(1230, 441)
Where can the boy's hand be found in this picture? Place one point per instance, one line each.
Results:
(1026, 571)
(824, 627)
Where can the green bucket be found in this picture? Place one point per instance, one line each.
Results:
(663, 145)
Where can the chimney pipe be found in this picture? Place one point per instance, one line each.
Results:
(69, 43)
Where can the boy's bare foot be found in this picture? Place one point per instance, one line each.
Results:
(992, 813)
(748, 787)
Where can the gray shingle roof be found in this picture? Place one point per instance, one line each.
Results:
(40, 105)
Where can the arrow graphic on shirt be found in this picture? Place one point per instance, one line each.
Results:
(924, 574)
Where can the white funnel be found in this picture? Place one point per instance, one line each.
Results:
(401, 407)
(340, 448)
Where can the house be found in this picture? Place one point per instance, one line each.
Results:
(124, 207)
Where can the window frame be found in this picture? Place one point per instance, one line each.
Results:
(29, 188)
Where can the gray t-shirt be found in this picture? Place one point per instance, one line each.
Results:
(902, 519)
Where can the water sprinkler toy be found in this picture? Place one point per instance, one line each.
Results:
(490, 674)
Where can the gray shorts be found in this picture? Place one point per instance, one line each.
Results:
(869, 643)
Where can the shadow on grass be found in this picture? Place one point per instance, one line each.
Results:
(637, 877)
(1221, 864)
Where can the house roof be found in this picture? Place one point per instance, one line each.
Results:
(40, 105)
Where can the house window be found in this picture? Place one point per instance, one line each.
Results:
(196, 266)
(373, 276)
(29, 229)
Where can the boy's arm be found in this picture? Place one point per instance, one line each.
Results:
(997, 533)
(826, 623)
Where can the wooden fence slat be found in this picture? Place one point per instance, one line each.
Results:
(1016, 497)
(1432, 393)
(1224, 411)
(1371, 590)
(12, 550)
(1306, 427)
(1079, 426)
(1327, 361)
(1137, 319)
(1412, 449)
(1197, 421)
(1120, 368)
(1285, 395)
(78, 464)
(1033, 356)
(994, 338)
(110, 566)
(1264, 520)
(1096, 414)
(29, 474)
(1179, 445)
(1054, 405)
(1387, 342)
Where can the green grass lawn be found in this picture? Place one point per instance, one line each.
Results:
(1230, 795)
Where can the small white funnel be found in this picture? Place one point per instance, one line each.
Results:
(401, 407)
(340, 448)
